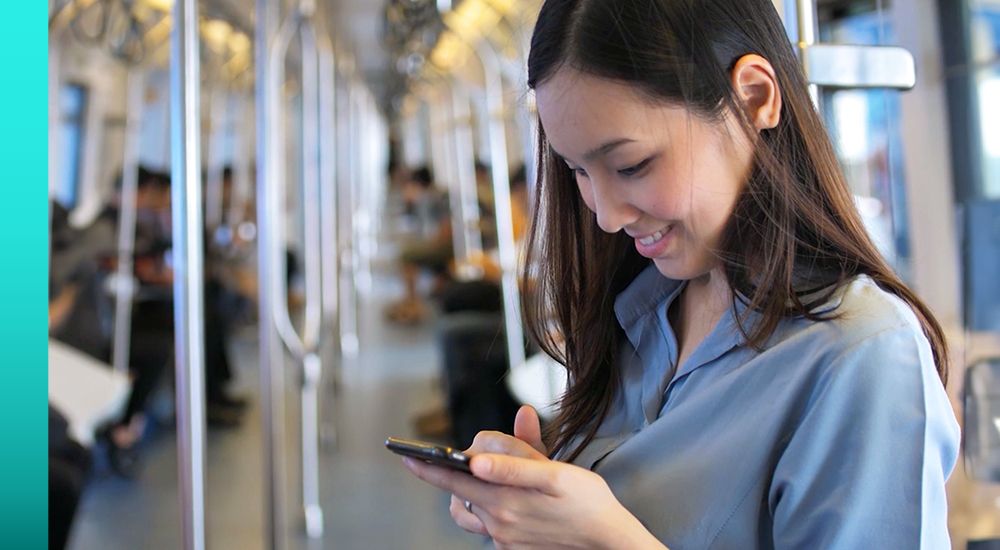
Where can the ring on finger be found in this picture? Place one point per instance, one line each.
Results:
(468, 506)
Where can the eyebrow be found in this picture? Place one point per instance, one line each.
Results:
(606, 148)
(600, 150)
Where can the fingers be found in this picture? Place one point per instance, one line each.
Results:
(461, 485)
(528, 428)
(503, 444)
(541, 475)
(466, 519)
(458, 483)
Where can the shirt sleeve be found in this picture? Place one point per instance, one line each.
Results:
(867, 463)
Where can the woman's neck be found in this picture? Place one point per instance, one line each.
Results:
(710, 292)
(697, 310)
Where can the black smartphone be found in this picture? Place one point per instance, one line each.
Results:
(439, 455)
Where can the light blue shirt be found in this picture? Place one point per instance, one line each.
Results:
(838, 435)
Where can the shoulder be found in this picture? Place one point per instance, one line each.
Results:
(860, 312)
(869, 336)
(871, 348)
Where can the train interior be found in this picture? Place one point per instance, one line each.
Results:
(351, 160)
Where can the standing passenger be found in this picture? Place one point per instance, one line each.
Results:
(745, 370)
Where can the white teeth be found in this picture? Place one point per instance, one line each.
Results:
(652, 239)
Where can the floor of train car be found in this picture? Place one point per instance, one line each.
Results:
(369, 500)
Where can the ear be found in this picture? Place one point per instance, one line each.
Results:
(755, 84)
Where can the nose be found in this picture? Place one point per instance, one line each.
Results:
(613, 208)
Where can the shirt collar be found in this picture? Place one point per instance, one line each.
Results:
(641, 297)
(651, 292)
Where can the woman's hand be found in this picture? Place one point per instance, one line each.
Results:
(522, 499)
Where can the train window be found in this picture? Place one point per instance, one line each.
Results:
(72, 107)
(984, 18)
(984, 21)
(864, 126)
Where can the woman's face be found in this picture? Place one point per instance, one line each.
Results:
(669, 179)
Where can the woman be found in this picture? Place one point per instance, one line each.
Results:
(745, 370)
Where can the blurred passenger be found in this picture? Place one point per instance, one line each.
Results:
(151, 334)
(84, 260)
(69, 463)
(744, 368)
(432, 253)
(471, 339)
(225, 302)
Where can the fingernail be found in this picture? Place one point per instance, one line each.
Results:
(408, 462)
(485, 464)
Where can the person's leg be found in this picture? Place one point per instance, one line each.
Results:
(475, 364)
(149, 356)
(411, 274)
(218, 369)
(65, 488)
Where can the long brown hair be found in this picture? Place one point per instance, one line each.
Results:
(794, 228)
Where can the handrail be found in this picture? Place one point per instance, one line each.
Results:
(124, 280)
(307, 343)
(806, 21)
(466, 184)
(304, 347)
(237, 213)
(328, 175)
(219, 106)
(188, 284)
(439, 129)
(124, 36)
(346, 175)
(501, 200)
(272, 379)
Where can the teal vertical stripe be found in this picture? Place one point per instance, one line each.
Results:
(23, 275)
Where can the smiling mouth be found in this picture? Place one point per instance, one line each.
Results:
(655, 237)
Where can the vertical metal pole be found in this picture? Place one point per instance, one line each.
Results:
(357, 177)
(806, 17)
(465, 174)
(349, 343)
(443, 128)
(313, 253)
(219, 104)
(124, 290)
(241, 164)
(329, 143)
(312, 370)
(502, 207)
(367, 187)
(272, 382)
(189, 280)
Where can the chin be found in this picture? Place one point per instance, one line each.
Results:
(677, 270)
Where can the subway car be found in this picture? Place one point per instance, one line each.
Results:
(633, 273)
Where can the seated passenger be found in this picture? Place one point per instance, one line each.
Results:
(470, 336)
(69, 463)
(432, 253)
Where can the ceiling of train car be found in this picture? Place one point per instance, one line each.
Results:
(357, 24)
(392, 43)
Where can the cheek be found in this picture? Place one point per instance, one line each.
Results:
(586, 193)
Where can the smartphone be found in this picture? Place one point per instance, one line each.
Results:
(439, 455)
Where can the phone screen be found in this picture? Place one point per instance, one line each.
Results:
(439, 455)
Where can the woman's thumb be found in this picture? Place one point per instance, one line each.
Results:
(528, 428)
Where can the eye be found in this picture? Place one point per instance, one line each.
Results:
(634, 170)
(578, 171)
